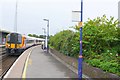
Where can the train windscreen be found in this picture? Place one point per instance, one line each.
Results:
(14, 38)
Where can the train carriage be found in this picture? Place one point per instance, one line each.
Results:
(17, 43)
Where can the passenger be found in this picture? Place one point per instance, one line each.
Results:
(43, 45)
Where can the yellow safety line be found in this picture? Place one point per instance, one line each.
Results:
(26, 65)
(30, 61)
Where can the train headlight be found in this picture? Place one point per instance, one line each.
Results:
(8, 45)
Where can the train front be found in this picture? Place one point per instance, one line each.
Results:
(14, 44)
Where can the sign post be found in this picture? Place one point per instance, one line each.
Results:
(78, 17)
(80, 53)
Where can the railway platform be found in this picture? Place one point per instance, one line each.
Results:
(2, 49)
(2, 46)
(36, 63)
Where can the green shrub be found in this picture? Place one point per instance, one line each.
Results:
(110, 67)
(101, 43)
(94, 62)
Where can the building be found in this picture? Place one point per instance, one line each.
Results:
(3, 34)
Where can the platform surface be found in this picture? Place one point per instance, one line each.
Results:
(1, 45)
(42, 65)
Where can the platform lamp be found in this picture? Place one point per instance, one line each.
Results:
(44, 36)
(16, 13)
(47, 35)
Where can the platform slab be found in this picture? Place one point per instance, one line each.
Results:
(43, 65)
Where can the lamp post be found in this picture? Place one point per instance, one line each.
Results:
(43, 32)
(44, 36)
(47, 35)
(16, 12)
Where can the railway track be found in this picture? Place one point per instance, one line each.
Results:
(6, 62)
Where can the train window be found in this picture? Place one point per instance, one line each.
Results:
(14, 38)
(19, 38)
(8, 38)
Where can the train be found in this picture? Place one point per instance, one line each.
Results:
(16, 43)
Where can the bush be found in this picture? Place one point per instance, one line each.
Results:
(110, 67)
(101, 43)
(66, 42)
(94, 62)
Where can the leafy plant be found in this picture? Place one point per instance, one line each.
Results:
(101, 43)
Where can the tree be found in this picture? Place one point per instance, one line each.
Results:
(30, 35)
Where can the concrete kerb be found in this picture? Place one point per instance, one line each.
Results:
(69, 66)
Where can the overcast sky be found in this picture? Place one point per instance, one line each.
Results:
(32, 12)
